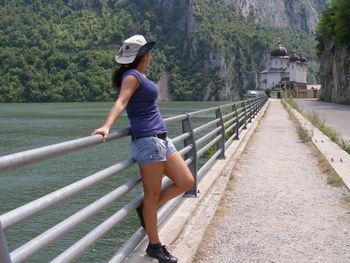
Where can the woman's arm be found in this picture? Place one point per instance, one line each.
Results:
(129, 86)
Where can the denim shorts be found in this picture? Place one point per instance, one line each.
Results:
(151, 149)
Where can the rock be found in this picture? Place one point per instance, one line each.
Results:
(335, 73)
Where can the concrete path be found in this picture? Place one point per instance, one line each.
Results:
(336, 115)
(279, 207)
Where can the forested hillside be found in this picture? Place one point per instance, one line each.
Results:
(333, 34)
(53, 50)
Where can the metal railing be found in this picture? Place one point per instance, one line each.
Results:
(229, 121)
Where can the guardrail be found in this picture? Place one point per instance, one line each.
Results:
(229, 121)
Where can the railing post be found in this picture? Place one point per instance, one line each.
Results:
(234, 109)
(261, 104)
(245, 115)
(255, 107)
(221, 143)
(187, 127)
(250, 110)
(4, 252)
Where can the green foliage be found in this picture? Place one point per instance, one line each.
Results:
(268, 92)
(334, 25)
(50, 51)
(324, 96)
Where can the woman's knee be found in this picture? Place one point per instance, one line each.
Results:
(187, 183)
(152, 197)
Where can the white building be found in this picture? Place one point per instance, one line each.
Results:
(285, 72)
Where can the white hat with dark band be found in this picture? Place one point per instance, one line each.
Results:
(135, 46)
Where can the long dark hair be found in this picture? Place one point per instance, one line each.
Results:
(118, 73)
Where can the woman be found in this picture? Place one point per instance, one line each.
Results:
(150, 146)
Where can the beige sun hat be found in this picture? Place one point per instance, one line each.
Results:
(132, 47)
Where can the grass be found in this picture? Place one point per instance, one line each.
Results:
(316, 120)
(346, 199)
(304, 134)
(320, 123)
(333, 178)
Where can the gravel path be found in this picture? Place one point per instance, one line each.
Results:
(279, 207)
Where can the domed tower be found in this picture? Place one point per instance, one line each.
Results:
(279, 51)
(302, 58)
(279, 57)
(294, 57)
(297, 68)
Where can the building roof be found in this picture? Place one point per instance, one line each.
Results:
(294, 57)
(315, 86)
(302, 58)
(274, 70)
(279, 51)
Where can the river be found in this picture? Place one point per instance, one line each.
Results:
(27, 126)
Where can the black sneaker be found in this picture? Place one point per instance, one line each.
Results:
(139, 211)
(161, 253)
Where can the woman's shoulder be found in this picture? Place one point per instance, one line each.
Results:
(133, 72)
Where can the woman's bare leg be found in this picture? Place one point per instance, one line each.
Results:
(151, 175)
(177, 170)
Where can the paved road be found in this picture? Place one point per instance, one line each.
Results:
(279, 208)
(336, 115)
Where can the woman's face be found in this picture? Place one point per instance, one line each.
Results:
(147, 58)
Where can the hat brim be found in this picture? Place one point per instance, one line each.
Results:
(145, 48)
(129, 59)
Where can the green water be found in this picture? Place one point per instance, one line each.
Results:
(27, 126)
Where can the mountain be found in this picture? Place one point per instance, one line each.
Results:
(300, 14)
(208, 49)
(333, 34)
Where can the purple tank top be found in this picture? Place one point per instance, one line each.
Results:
(143, 113)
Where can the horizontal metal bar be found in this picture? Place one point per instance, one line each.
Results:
(207, 146)
(242, 118)
(189, 161)
(241, 114)
(208, 136)
(4, 251)
(135, 240)
(230, 121)
(229, 141)
(225, 106)
(207, 125)
(240, 109)
(208, 164)
(175, 118)
(228, 115)
(195, 113)
(230, 128)
(186, 149)
(37, 244)
(84, 243)
(240, 129)
(181, 137)
(28, 210)
(15, 160)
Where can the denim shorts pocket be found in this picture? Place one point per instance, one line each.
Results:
(148, 149)
(161, 146)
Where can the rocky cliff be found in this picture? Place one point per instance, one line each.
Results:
(335, 73)
(300, 14)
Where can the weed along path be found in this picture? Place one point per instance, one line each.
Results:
(278, 207)
(336, 115)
